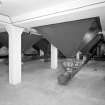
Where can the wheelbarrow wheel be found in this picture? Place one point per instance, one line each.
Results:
(64, 78)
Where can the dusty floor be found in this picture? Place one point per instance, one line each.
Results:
(39, 86)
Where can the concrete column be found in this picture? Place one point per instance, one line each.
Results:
(102, 20)
(54, 57)
(41, 53)
(78, 55)
(14, 54)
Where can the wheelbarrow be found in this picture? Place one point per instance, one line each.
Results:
(71, 68)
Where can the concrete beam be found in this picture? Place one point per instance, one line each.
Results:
(77, 10)
(4, 19)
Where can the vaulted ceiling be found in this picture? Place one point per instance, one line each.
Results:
(33, 13)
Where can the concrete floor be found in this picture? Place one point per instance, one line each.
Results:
(39, 86)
